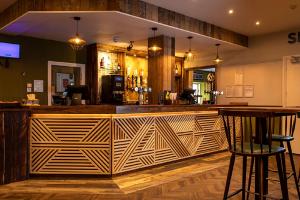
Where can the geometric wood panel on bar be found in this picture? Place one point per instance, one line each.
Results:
(117, 143)
(136, 8)
(70, 146)
(140, 142)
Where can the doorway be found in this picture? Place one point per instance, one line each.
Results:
(291, 91)
(203, 81)
(61, 74)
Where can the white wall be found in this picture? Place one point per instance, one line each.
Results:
(265, 77)
(261, 65)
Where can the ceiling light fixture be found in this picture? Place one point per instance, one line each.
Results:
(230, 12)
(129, 48)
(189, 55)
(154, 47)
(217, 60)
(77, 43)
(293, 4)
(257, 23)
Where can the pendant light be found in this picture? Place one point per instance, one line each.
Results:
(77, 43)
(217, 60)
(189, 55)
(154, 47)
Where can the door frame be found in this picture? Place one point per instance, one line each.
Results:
(285, 61)
(63, 64)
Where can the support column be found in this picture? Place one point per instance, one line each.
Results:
(92, 73)
(161, 67)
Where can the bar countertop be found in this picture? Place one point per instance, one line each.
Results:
(115, 109)
(127, 109)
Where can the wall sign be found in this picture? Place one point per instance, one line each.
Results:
(293, 38)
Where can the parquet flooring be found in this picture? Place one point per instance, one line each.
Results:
(196, 179)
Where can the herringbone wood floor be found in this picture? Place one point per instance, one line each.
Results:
(197, 179)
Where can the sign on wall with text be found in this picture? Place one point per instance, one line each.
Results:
(294, 37)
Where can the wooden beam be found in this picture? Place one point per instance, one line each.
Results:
(136, 8)
(116, 49)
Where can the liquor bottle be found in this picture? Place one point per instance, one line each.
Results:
(102, 62)
(128, 83)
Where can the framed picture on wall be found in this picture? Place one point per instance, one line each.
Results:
(63, 80)
(229, 91)
(248, 91)
(238, 91)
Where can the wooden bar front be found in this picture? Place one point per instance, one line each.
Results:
(109, 144)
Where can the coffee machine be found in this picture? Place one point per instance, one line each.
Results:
(112, 89)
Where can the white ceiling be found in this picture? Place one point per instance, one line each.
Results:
(101, 27)
(275, 15)
(5, 4)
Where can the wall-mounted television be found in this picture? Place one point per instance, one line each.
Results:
(9, 50)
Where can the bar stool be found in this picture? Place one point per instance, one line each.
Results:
(246, 141)
(284, 133)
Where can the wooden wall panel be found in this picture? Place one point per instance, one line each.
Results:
(70, 145)
(132, 7)
(14, 146)
(2, 142)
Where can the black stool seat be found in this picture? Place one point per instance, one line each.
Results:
(258, 150)
(284, 138)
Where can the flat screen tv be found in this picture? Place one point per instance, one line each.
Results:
(9, 50)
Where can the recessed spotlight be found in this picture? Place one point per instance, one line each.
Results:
(257, 23)
(230, 12)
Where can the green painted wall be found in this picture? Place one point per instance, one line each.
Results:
(35, 54)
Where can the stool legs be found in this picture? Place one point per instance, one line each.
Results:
(283, 181)
(293, 167)
(244, 177)
(229, 175)
(250, 176)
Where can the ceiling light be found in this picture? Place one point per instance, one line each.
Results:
(76, 42)
(257, 23)
(293, 4)
(230, 12)
(217, 60)
(189, 55)
(154, 47)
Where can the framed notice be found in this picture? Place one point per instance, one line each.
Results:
(238, 91)
(229, 91)
(38, 85)
(248, 91)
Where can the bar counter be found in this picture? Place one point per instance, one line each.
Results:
(110, 140)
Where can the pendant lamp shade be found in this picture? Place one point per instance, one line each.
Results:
(76, 42)
(154, 47)
(218, 59)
